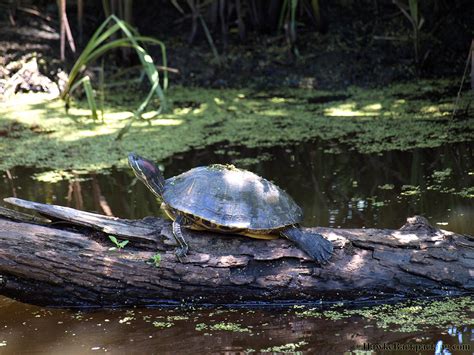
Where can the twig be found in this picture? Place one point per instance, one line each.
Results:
(10, 180)
(35, 12)
(390, 38)
(469, 56)
(69, 36)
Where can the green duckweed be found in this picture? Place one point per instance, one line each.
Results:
(36, 130)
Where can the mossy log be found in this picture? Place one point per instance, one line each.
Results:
(65, 259)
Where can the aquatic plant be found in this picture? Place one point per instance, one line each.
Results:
(243, 13)
(285, 348)
(412, 13)
(225, 326)
(368, 121)
(112, 34)
(288, 22)
(162, 325)
(409, 316)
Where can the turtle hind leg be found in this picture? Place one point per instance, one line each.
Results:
(314, 244)
(182, 249)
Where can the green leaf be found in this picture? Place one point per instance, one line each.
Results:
(123, 243)
(155, 260)
(90, 96)
(98, 46)
(414, 10)
(113, 239)
(119, 244)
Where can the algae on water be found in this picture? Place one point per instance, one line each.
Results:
(407, 316)
(225, 326)
(36, 131)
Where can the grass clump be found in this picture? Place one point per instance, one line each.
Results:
(112, 34)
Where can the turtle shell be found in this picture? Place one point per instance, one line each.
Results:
(231, 197)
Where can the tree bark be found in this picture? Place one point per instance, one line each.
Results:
(66, 260)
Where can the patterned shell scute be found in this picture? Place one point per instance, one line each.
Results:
(231, 197)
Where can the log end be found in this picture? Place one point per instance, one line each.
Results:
(418, 224)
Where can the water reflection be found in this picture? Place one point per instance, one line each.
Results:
(334, 187)
(30, 329)
(337, 188)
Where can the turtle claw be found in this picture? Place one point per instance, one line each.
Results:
(181, 253)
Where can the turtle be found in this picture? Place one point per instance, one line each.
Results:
(229, 200)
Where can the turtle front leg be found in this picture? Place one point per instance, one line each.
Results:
(182, 249)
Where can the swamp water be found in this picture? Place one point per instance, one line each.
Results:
(336, 187)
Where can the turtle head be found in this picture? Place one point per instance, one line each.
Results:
(148, 173)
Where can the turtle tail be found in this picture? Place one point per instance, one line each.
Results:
(314, 244)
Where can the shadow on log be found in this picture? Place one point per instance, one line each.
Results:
(65, 259)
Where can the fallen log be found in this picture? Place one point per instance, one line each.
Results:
(65, 260)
